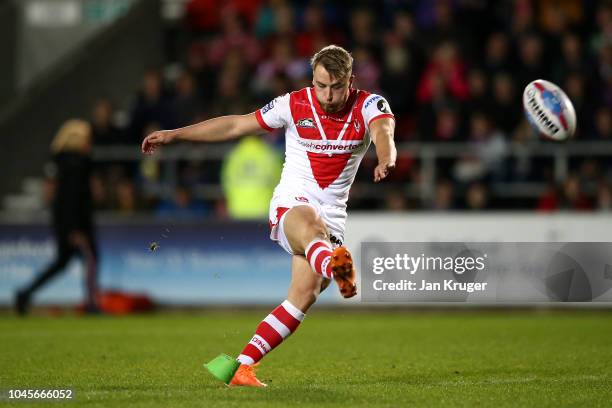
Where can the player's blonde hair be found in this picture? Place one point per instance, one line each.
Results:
(74, 136)
(336, 60)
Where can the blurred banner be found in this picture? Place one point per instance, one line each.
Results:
(236, 263)
(198, 263)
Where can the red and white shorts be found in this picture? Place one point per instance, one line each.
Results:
(333, 217)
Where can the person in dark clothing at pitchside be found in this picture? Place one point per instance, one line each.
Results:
(72, 212)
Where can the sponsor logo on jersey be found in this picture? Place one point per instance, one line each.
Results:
(267, 107)
(383, 106)
(305, 123)
(331, 146)
(374, 99)
(301, 199)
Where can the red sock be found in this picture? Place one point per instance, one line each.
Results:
(279, 324)
(318, 254)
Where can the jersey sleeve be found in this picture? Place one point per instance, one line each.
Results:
(276, 114)
(376, 107)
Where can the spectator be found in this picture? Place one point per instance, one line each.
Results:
(234, 37)
(490, 145)
(99, 193)
(72, 212)
(445, 66)
(203, 15)
(315, 32)
(571, 198)
(403, 61)
(447, 124)
(444, 197)
(604, 73)
(366, 70)
(230, 96)
(574, 197)
(603, 125)
(549, 200)
(363, 29)
(531, 60)
(604, 197)
(505, 110)
(104, 131)
(497, 55)
(480, 99)
(265, 23)
(152, 106)
(573, 59)
(395, 201)
(282, 63)
(488, 157)
(477, 197)
(126, 200)
(442, 26)
(186, 104)
(522, 17)
(574, 87)
(250, 172)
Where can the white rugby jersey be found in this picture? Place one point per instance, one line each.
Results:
(322, 150)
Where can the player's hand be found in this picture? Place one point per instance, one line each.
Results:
(156, 139)
(382, 171)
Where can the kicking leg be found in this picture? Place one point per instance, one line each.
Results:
(307, 234)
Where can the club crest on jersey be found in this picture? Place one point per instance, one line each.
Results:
(301, 199)
(357, 125)
(305, 123)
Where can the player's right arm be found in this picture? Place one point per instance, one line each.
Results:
(274, 115)
(212, 130)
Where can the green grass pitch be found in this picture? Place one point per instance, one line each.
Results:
(336, 359)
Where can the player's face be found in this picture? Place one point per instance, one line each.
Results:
(331, 92)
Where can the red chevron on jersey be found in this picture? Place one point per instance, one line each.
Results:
(326, 167)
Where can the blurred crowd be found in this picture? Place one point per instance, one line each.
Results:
(452, 70)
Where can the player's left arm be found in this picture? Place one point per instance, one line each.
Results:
(381, 132)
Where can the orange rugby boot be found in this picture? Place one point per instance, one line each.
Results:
(245, 377)
(344, 271)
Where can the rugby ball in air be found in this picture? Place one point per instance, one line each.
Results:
(549, 111)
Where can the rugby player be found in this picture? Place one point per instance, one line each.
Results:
(328, 129)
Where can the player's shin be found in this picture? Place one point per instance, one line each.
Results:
(277, 326)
